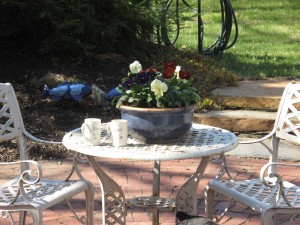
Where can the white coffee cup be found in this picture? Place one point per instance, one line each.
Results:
(91, 131)
(118, 131)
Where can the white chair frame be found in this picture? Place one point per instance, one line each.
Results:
(269, 195)
(26, 193)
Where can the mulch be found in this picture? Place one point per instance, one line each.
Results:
(50, 120)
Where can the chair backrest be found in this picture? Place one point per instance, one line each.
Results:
(11, 121)
(287, 122)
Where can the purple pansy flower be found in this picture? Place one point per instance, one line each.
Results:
(143, 78)
(127, 84)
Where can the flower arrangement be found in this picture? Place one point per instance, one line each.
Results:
(150, 88)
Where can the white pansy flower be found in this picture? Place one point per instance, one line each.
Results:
(158, 87)
(178, 68)
(135, 67)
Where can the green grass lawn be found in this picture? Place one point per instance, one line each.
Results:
(268, 45)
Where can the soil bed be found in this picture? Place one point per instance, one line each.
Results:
(50, 120)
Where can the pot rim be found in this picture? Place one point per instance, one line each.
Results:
(139, 109)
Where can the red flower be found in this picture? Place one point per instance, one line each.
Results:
(168, 72)
(151, 70)
(169, 64)
(184, 75)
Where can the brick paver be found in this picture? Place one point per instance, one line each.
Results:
(135, 179)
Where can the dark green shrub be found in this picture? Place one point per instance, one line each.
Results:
(130, 23)
(75, 27)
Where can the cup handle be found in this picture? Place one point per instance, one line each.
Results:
(83, 128)
(108, 130)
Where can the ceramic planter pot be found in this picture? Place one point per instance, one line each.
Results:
(158, 125)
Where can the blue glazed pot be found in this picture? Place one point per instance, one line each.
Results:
(158, 125)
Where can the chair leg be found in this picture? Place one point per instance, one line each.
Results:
(89, 195)
(37, 216)
(268, 217)
(275, 219)
(22, 217)
(209, 201)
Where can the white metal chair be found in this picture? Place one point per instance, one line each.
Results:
(27, 193)
(270, 195)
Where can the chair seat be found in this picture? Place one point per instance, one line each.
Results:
(32, 196)
(257, 195)
(44, 194)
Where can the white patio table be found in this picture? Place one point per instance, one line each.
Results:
(200, 142)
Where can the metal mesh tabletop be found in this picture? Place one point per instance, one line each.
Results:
(200, 141)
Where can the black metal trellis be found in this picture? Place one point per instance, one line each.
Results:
(222, 42)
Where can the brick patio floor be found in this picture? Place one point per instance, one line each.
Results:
(135, 179)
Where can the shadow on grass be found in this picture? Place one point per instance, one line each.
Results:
(232, 62)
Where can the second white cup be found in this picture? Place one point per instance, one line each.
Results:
(91, 131)
(118, 131)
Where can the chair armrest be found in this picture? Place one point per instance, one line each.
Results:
(24, 179)
(224, 167)
(76, 159)
(274, 179)
(260, 139)
(30, 136)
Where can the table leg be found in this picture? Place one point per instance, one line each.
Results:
(156, 191)
(186, 199)
(113, 199)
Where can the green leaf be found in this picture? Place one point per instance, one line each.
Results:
(121, 100)
(131, 99)
(149, 99)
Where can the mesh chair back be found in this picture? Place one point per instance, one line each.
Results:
(11, 122)
(287, 123)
